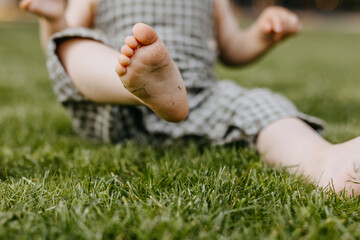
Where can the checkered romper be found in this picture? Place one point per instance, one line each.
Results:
(220, 111)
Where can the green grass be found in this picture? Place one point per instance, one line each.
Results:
(55, 185)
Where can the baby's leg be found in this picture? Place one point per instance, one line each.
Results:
(147, 70)
(292, 143)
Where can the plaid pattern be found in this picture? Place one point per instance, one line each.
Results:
(220, 111)
(231, 113)
(186, 27)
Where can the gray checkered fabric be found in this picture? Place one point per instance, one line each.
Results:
(220, 111)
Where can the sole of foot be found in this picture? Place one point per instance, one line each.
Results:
(148, 72)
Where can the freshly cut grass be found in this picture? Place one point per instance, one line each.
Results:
(54, 185)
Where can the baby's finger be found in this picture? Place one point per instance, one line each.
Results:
(276, 24)
(24, 4)
(290, 24)
(295, 23)
(266, 27)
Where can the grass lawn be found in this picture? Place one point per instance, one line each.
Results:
(55, 185)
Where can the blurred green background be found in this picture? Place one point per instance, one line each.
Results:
(55, 185)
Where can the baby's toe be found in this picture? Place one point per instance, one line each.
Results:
(144, 34)
(131, 42)
(124, 60)
(127, 51)
(120, 70)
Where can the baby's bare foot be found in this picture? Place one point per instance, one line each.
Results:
(340, 166)
(147, 71)
(51, 10)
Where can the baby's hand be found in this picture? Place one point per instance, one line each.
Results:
(277, 23)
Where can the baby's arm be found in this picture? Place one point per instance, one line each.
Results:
(238, 47)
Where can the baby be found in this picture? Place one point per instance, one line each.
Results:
(169, 70)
